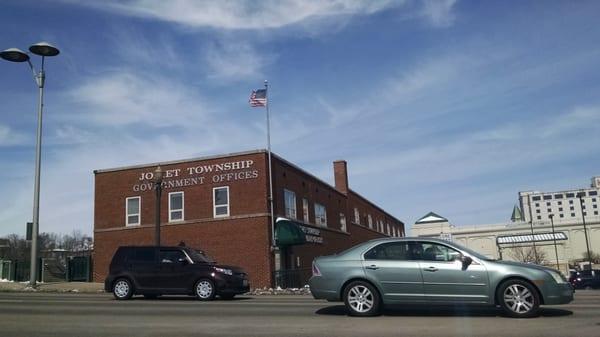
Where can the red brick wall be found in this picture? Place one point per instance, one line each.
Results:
(240, 242)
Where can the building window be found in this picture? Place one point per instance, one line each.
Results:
(549, 210)
(176, 206)
(570, 195)
(558, 196)
(584, 213)
(572, 208)
(536, 198)
(562, 215)
(388, 229)
(537, 211)
(595, 212)
(571, 202)
(370, 221)
(572, 215)
(320, 215)
(547, 204)
(539, 217)
(559, 203)
(343, 222)
(548, 197)
(305, 210)
(356, 216)
(132, 211)
(290, 203)
(590, 193)
(537, 204)
(221, 201)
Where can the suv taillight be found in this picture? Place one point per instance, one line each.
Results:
(315, 270)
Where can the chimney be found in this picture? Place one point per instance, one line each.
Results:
(340, 173)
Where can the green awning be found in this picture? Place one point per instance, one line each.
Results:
(288, 233)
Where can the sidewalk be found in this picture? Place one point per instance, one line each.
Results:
(88, 287)
(55, 287)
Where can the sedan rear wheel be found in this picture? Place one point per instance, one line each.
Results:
(362, 299)
(518, 299)
(205, 290)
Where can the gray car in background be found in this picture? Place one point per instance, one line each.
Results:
(432, 271)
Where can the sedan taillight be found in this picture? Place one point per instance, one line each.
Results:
(315, 270)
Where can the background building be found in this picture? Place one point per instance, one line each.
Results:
(515, 240)
(220, 205)
(564, 205)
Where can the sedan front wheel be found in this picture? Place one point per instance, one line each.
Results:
(362, 299)
(518, 299)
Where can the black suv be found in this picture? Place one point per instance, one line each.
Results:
(585, 279)
(153, 271)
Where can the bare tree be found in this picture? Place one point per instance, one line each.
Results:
(594, 257)
(528, 254)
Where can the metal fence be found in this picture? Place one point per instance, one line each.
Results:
(75, 268)
(292, 278)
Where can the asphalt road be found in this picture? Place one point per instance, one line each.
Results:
(39, 314)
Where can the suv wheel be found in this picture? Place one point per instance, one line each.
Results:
(518, 299)
(122, 289)
(205, 290)
(361, 299)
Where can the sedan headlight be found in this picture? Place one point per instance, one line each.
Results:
(557, 277)
(224, 271)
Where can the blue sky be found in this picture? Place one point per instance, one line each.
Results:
(445, 106)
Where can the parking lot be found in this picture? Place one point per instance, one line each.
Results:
(52, 314)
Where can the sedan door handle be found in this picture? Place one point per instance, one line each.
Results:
(431, 269)
(372, 267)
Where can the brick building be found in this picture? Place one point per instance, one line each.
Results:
(220, 204)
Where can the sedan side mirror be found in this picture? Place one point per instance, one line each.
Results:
(466, 261)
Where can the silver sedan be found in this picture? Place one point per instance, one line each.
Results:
(432, 271)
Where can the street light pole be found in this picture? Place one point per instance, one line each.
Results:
(554, 238)
(42, 49)
(532, 234)
(158, 179)
(587, 243)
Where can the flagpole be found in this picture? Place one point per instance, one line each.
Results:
(270, 168)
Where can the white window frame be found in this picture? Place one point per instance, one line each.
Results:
(356, 216)
(138, 214)
(177, 210)
(321, 221)
(228, 205)
(305, 215)
(292, 208)
(343, 222)
(370, 220)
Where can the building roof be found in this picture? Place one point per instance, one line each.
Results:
(431, 218)
(516, 214)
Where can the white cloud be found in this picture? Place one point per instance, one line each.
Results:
(10, 137)
(234, 60)
(229, 14)
(439, 12)
(125, 98)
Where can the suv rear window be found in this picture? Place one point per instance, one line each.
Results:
(144, 254)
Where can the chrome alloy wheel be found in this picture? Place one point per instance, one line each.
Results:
(518, 298)
(360, 298)
(122, 288)
(204, 289)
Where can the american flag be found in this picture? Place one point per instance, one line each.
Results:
(258, 98)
